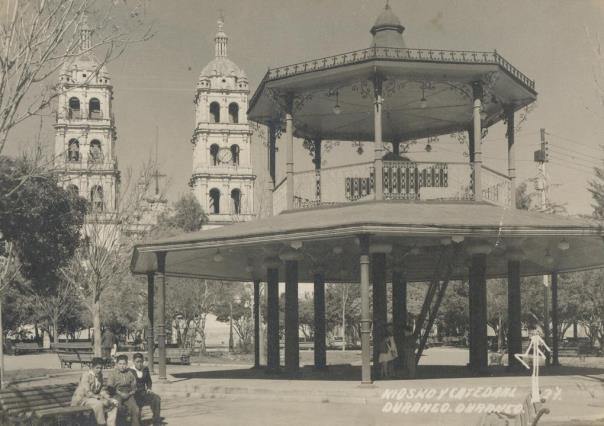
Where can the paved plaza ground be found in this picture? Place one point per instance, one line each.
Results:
(235, 394)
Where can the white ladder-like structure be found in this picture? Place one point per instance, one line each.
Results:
(534, 352)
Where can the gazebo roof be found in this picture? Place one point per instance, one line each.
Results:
(328, 236)
(427, 92)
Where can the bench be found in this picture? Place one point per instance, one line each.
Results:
(175, 356)
(43, 405)
(68, 358)
(22, 347)
(530, 415)
(72, 346)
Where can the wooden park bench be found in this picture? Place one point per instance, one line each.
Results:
(83, 356)
(43, 405)
(530, 415)
(72, 346)
(175, 356)
(22, 347)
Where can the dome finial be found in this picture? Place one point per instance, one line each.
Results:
(85, 34)
(221, 38)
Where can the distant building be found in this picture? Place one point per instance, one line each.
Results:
(222, 178)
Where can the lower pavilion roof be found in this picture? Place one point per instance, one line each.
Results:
(418, 231)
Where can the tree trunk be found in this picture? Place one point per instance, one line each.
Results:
(55, 328)
(231, 343)
(96, 326)
(500, 335)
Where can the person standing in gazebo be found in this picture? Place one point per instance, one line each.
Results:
(408, 354)
(388, 353)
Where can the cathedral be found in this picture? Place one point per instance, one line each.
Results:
(222, 178)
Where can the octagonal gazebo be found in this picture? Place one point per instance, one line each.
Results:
(393, 220)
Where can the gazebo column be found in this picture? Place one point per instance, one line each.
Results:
(509, 114)
(365, 318)
(150, 315)
(378, 272)
(478, 313)
(514, 313)
(317, 161)
(396, 148)
(378, 145)
(319, 305)
(161, 314)
(292, 343)
(477, 134)
(399, 309)
(555, 337)
(257, 342)
(289, 152)
(272, 322)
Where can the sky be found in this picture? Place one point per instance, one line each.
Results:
(550, 41)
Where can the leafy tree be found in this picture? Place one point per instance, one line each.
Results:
(343, 308)
(234, 305)
(596, 188)
(187, 216)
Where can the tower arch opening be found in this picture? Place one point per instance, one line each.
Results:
(97, 203)
(73, 150)
(214, 201)
(74, 107)
(214, 149)
(96, 152)
(214, 112)
(233, 113)
(236, 201)
(235, 154)
(94, 108)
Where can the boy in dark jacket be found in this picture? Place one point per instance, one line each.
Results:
(144, 395)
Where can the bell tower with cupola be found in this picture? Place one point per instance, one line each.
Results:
(85, 131)
(222, 178)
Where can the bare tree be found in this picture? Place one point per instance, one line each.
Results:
(102, 260)
(38, 36)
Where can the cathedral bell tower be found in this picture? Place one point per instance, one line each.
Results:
(85, 136)
(222, 178)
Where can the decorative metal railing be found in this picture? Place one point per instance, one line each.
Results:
(405, 55)
(403, 180)
(496, 187)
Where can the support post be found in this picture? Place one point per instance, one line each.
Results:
(292, 343)
(546, 318)
(319, 305)
(317, 161)
(555, 336)
(365, 318)
(273, 360)
(477, 133)
(514, 314)
(150, 306)
(161, 314)
(399, 310)
(479, 361)
(509, 112)
(378, 144)
(257, 323)
(289, 140)
(378, 272)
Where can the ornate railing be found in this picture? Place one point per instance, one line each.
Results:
(403, 180)
(496, 187)
(405, 55)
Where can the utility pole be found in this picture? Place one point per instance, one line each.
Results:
(541, 157)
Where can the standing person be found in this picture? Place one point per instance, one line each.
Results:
(108, 343)
(388, 353)
(408, 355)
(90, 393)
(123, 382)
(144, 395)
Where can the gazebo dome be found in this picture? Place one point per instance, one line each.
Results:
(388, 30)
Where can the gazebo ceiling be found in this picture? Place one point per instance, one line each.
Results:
(327, 238)
(444, 84)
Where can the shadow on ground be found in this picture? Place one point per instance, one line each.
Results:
(347, 372)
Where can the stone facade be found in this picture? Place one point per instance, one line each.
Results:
(85, 136)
